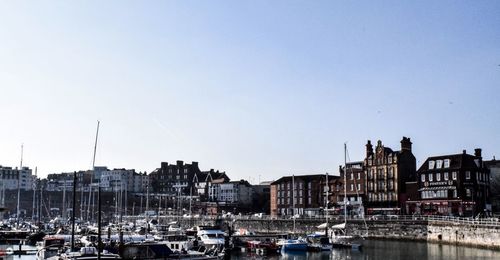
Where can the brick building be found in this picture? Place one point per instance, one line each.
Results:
(355, 179)
(387, 172)
(302, 195)
(174, 178)
(455, 184)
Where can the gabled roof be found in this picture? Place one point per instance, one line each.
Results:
(457, 162)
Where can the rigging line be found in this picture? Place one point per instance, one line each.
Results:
(356, 188)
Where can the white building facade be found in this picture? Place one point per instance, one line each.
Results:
(11, 176)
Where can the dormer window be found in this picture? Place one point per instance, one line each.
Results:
(446, 163)
(431, 165)
(439, 164)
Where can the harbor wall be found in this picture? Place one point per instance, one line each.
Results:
(468, 234)
(464, 234)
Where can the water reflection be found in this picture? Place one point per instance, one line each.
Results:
(388, 250)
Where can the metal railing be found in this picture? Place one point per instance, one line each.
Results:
(495, 221)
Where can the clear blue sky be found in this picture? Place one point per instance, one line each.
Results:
(267, 88)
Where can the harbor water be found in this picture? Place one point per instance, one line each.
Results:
(372, 250)
(388, 250)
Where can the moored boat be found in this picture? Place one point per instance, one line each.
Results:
(293, 245)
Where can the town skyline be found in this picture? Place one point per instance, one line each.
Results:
(259, 88)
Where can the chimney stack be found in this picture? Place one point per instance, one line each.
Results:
(464, 151)
(406, 144)
(369, 149)
(477, 152)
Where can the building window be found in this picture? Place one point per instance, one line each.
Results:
(352, 187)
(431, 165)
(430, 176)
(422, 177)
(467, 192)
(446, 163)
(445, 176)
(454, 176)
(352, 176)
(438, 176)
(467, 175)
(359, 175)
(439, 164)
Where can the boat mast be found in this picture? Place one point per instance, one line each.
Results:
(93, 175)
(19, 185)
(327, 188)
(345, 183)
(63, 213)
(34, 195)
(40, 205)
(147, 209)
(73, 214)
(190, 199)
(82, 200)
(159, 206)
(99, 241)
(293, 202)
(126, 196)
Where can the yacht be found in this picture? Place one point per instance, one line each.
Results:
(211, 237)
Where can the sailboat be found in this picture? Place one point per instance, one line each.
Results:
(320, 241)
(87, 252)
(296, 244)
(339, 236)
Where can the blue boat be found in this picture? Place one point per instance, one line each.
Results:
(293, 245)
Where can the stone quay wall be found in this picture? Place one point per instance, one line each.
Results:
(446, 232)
